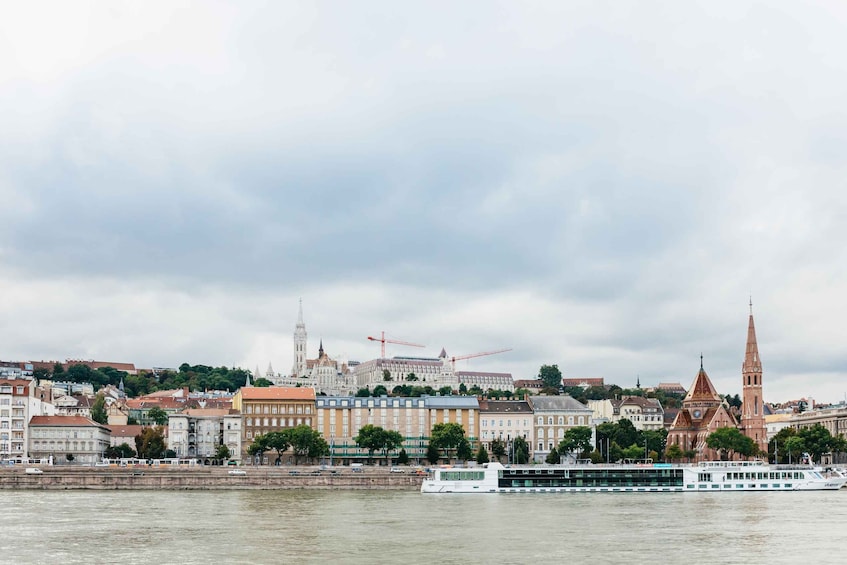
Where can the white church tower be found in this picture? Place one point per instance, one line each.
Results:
(300, 336)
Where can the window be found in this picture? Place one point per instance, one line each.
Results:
(570, 420)
(561, 420)
(549, 420)
(581, 420)
(540, 421)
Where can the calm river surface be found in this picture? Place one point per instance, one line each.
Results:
(407, 527)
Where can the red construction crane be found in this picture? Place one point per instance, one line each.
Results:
(472, 355)
(383, 341)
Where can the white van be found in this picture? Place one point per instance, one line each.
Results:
(33, 471)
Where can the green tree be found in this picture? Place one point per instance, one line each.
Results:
(380, 390)
(411, 377)
(447, 436)
(159, 416)
(258, 448)
(576, 440)
(498, 448)
(626, 433)
(463, 388)
(795, 446)
(481, 455)
(363, 392)
(776, 446)
(370, 437)
(521, 450)
(551, 376)
(818, 440)
(402, 457)
(729, 440)
(391, 440)
(674, 452)
(553, 458)
(222, 453)
(79, 373)
(58, 371)
(445, 391)
(464, 451)
(475, 390)
(432, 453)
(656, 440)
(278, 440)
(98, 409)
(150, 443)
(386, 375)
(634, 452)
(122, 451)
(41, 373)
(262, 382)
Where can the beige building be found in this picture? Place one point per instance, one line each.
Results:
(62, 436)
(269, 409)
(505, 420)
(552, 417)
(339, 419)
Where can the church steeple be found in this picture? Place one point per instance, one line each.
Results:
(300, 340)
(752, 407)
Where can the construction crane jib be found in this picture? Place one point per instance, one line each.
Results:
(472, 355)
(383, 340)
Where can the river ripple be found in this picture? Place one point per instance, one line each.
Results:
(261, 527)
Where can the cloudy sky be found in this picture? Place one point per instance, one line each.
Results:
(600, 185)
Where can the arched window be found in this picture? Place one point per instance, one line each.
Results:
(570, 420)
(549, 420)
(540, 421)
(756, 405)
(561, 420)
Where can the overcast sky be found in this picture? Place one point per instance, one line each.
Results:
(599, 185)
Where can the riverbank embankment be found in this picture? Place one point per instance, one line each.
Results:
(207, 478)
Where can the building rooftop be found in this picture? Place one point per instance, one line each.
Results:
(63, 421)
(563, 402)
(504, 406)
(277, 393)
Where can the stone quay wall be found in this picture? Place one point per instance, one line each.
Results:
(206, 478)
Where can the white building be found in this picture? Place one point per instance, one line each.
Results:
(62, 436)
(486, 380)
(18, 404)
(197, 432)
(417, 371)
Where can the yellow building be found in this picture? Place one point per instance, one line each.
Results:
(339, 419)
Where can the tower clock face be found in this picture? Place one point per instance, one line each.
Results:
(696, 413)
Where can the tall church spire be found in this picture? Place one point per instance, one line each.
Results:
(752, 407)
(300, 342)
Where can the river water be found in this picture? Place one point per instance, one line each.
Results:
(187, 527)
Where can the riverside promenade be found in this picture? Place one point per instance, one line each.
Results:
(207, 478)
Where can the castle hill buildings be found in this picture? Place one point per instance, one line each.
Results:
(53, 418)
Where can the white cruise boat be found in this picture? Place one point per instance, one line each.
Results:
(708, 476)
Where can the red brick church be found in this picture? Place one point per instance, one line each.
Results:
(703, 410)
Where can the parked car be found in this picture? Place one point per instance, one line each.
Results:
(33, 471)
(237, 472)
(397, 470)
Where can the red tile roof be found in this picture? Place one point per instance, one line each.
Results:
(126, 431)
(277, 393)
(63, 421)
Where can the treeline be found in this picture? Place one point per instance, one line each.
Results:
(195, 377)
